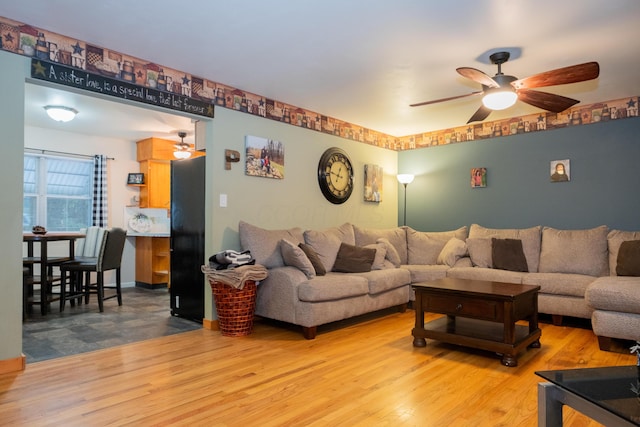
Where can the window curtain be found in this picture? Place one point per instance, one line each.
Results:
(100, 210)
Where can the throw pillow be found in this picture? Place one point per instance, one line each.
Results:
(265, 244)
(396, 236)
(327, 242)
(425, 246)
(453, 250)
(614, 240)
(507, 254)
(381, 252)
(480, 251)
(354, 259)
(392, 254)
(629, 258)
(314, 259)
(295, 257)
(530, 240)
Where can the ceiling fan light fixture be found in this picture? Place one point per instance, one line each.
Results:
(181, 154)
(499, 99)
(182, 149)
(60, 113)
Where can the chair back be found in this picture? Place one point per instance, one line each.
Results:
(92, 243)
(111, 255)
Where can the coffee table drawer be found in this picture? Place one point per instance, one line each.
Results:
(466, 307)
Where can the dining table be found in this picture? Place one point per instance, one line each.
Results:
(43, 239)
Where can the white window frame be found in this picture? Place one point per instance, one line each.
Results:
(41, 196)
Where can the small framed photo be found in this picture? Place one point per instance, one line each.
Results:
(135, 178)
(560, 170)
(478, 177)
(265, 157)
(373, 183)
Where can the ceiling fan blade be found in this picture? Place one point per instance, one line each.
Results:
(477, 76)
(546, 101)
(561, 76)
(445, 99)
(481, 114)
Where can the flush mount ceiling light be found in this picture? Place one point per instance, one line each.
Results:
(60, 113)
(182, 149)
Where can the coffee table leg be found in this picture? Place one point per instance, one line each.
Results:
(509, 360)
(419, 341)
(549, 406)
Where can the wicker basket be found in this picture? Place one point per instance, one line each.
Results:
(235, 307)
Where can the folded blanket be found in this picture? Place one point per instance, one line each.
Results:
(236, 277)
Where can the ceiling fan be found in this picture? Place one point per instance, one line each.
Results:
(182, 149)
(502, 91)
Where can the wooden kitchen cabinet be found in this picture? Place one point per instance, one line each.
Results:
(154, 156)
(156, 193)
(152, 262)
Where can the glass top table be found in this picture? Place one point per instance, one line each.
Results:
(609, 395)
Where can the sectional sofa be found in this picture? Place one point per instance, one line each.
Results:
(321, 276)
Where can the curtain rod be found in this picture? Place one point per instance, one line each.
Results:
(41, 151)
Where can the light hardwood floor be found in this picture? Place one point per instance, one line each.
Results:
(360, 374)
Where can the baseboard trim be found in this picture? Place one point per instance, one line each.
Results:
(212, 325)
(151, 286)
(13, 365)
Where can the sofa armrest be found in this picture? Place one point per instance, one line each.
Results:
(278, 294)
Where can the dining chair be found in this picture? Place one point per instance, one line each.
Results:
(108, 258)
(86, 253)
(47, 295)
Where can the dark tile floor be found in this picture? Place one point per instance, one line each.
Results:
(144, 314)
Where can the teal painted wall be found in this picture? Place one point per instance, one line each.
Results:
(605, 180)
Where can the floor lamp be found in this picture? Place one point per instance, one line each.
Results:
(404, 179)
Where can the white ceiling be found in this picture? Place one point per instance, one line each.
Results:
(362, 61)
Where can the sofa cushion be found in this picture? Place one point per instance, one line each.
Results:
(265, 244)
(379, 259)
(333, 286)
(423, 247)
(559, 283)
(424, 273)
(614, 240)
(575, 251)
(480, 251)
(354, 259)
(397, 236)
(295, 257)
(488, 274)
(615, 294)
(384, 280)
(453, 250)
(392, 254)
(530, 240)
(313, 258)
(629, 258)
(507, 254)
(327, 242)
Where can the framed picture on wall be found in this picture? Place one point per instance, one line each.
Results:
(560, 170)
(135, 179)
(478, 177)
(265, 157)
(373, 183)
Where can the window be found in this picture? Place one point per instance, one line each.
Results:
(57, 193)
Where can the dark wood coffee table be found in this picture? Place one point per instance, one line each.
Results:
(479, 314)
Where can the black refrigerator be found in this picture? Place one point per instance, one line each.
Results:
(187, 238)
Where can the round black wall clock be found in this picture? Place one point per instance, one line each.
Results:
(335, 175)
